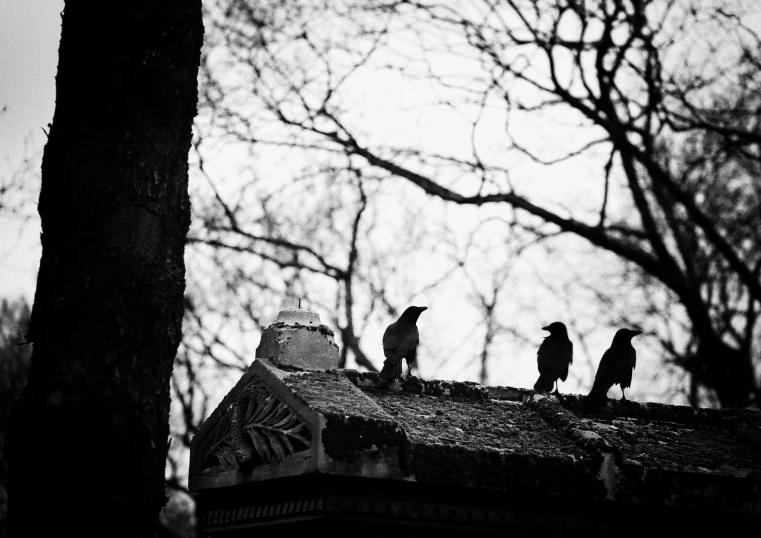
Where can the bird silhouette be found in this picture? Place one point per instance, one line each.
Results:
(400, 341)
(554, 356)
(616, 367)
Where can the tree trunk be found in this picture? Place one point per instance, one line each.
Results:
(88, 437)
(726, 370)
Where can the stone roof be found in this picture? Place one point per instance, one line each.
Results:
(282, 423)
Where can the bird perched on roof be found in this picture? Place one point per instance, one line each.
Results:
(400, 341)
(616, 367)
(554, 356)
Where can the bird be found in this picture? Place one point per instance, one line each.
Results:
(400, 341)
(554, 356)
(616, 367)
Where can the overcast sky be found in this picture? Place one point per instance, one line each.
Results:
(29, 35)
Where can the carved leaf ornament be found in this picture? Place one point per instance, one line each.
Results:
(274, 429)
(221, 448)
(258, 428)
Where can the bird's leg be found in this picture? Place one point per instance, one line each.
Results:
(557, 388)
(623, 394)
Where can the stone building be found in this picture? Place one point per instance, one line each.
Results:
(300, 446)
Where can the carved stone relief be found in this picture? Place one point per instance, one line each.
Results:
(257, 428)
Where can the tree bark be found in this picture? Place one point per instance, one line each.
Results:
(88, 437)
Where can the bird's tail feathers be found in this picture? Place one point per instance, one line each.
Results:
(391, 370)
(544, 383)
(596, 396)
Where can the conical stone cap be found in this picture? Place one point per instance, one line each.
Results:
(298, 339)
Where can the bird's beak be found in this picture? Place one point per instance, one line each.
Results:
(635, 333)
(547, 328)
(423, 308)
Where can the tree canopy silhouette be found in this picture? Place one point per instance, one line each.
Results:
(657, 98)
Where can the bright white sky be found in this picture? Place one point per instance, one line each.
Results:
(29, 35)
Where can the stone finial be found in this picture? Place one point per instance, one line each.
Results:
(298, 339)
(298, 316)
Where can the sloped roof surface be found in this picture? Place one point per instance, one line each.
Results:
(671, 445)
(472, 423)
(464, 434)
